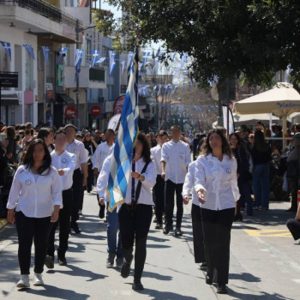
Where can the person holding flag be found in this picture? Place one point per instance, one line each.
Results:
(131, 179)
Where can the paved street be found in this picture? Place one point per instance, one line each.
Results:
(264, 264)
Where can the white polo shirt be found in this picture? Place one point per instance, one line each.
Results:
(33, 194)
(82, 155)
(177, 156)
(102, 152)
(65, 161)
(156, 158)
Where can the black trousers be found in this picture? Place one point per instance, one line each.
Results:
(77, 194)
(293, 188)
(90, 179)
(217, 232)
(134, 227)
(64, 225)
(170, 190)
(158, 198)
(36, 230)
(294, 227)
(198, 236)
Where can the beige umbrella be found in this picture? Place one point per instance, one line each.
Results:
(282, 100)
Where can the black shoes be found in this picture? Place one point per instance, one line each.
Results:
(137, 286)
(110, 261)
(102, 212)
(208, 280)
(49, 261)
(158, 226)
(222, 289)
(178, 232)
(167, 230)
(62, 261)
(203, 266)
(75, 228)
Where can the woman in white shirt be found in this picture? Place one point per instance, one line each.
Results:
(217, 190)
(136, 213)
(34, 202)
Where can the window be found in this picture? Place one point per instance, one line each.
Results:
(28, 72)
(4, 60)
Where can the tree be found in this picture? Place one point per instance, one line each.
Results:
(227, 38)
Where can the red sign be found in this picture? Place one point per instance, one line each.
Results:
(95, 110)
(70, 112)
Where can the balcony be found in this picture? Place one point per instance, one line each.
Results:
(40, 18)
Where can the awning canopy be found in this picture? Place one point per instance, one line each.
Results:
(10, 99)
(64, 98)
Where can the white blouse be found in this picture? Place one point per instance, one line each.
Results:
(189, 183)
(33, 194)
(147, 185)
(219, 180)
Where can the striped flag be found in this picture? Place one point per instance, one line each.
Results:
(122, 157)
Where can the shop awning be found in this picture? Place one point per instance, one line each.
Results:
(11, 99)
(64, 98)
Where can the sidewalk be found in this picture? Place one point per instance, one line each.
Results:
(264, 264)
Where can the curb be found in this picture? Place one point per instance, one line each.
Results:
(3, 223)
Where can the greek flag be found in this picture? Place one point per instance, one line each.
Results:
(122, 157)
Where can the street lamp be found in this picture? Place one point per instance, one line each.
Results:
(78, 30)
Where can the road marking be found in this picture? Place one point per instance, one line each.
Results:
(269, 233)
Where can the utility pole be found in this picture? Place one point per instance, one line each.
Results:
(77, 75)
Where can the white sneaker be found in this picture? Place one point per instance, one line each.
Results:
(38, 280)
(23, 283)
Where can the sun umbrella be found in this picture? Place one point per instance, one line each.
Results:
(282, 100)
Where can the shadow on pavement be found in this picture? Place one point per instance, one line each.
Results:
(51, 291)
(244, 277)
(157, 276)
(159, 295)
(79, 272)
(263, 295)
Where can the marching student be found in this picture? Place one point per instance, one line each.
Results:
(158, 189)
(217, 190)
(80, 174)
(64, 162)
(198, 235)
(103, 150)
(175, 158)
(136, 213)
(34, 203)
(114, 245)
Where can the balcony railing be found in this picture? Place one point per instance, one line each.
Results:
(44, 9)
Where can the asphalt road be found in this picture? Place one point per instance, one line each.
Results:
(265, 264)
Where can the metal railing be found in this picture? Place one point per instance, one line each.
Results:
(44, 9)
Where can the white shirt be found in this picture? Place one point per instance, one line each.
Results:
(189, 183)
(219, 180)
(156, 158)
(65, 161)
(102, 152)
(82, 155)
(177, 156)
(147, 185)
(35, 195)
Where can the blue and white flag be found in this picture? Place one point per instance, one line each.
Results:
(7, 48)
(61, 55)
(29, 50)
(45, 51)
(112, 61)
(129, 59)
(101, 60)
(78, 61)
(123, 151)
(95, 57)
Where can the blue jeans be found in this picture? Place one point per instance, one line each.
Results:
(113, 235)
(261, 185)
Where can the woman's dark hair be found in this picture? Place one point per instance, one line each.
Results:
(237, 136)
(146, 154)
(43, 133)
(206, 149)
(259, 141)
(60, 130)
(28, 157)
(10, 132)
